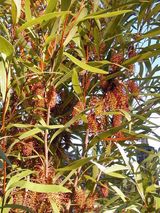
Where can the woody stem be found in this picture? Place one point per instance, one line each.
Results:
(46, 143)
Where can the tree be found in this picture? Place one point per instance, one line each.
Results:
(79, 82)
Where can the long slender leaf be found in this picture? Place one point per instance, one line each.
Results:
(85, 66)
(42, 188)
(41, 19)
(107, 15)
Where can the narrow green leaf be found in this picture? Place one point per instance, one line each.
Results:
(3, 80)
(85, 66)
(17, 177)
(87, 177)
(138, 179)
(157, 201)
(65, 4)
(76, 164)
(111, 169)
(41, 188)
(16, 10)
(104, 135)
(128, 117)
(117, 175)
(52, 36)
(58, 59)
(70, 35)
(151, 33)
(75, 83)
(39, 20)
(54, 206)
(28, 10)
(6, 47)
(152, 188)
(141, 56)
(118, 191)
(124, 155)
(66, 179)
(64, 79)
(3, 156)
(106, 15)
(5, 209)
(50, 127)
(18, 125)
(17, 206)
(133, 207)
(29, 133)
(51, 6)
(82, 14)
(68, 124)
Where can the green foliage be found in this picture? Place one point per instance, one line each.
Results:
(79, 82)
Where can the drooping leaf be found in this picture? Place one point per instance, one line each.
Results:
(84, 65)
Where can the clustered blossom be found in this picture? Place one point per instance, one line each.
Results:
(133, 88)
(117, 58)
(51, 97)
(114, 97)
(84, 202)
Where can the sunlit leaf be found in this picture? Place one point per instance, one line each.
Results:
(41, 19)
(41, 188)
(16, 10)
(28, 10)
(6, 47)
(111, 169)
(118, 191)
(107, 15)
